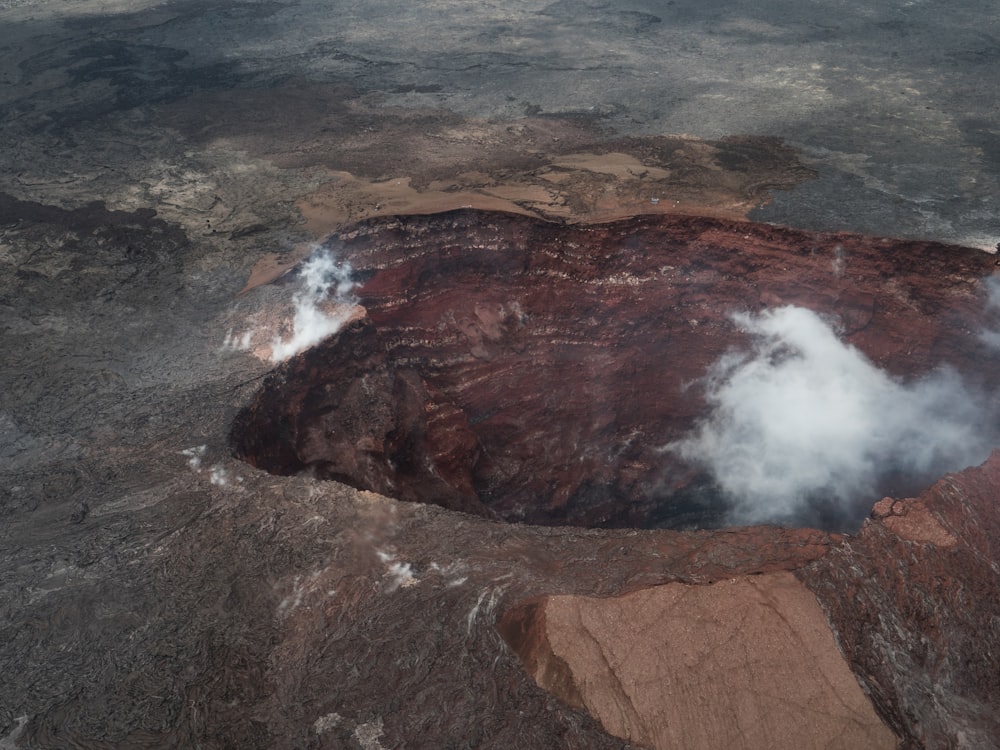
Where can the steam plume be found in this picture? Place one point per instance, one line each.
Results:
(804, 418)
(991, 332)
(324, 281)
(322, 305)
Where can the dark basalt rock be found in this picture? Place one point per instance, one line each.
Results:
(535, 371)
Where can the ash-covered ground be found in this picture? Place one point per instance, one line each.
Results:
(154, 592)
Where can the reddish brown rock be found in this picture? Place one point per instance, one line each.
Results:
(915, 601)
(538, 369)
(374, 426)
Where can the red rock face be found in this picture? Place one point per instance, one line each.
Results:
(534, 371)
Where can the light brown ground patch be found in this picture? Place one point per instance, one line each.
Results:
(581, 187)
(375, 160)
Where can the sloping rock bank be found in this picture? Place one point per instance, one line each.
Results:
(915, 601)
(912, 605)
(534, 371)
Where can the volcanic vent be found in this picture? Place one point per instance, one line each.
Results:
(543, 373)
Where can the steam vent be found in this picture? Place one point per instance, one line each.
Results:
(536, 372)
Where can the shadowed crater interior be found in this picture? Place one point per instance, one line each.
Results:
(533, 371)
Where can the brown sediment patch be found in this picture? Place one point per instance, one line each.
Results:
(348, 199)
(616, 164)
(273, 266)
(681, 176)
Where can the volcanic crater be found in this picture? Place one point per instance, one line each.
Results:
(533, 371)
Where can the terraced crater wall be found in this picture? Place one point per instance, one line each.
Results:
(533, 371)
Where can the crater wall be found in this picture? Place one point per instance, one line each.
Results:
(514, 367)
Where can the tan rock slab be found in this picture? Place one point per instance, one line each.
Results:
(746, 663)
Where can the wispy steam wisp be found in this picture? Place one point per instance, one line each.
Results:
(804, 417)
(990, 334)
(323, 281)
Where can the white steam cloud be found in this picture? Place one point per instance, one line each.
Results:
(324, 281)
(803, 416)
(990, 334)
(320, 307)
